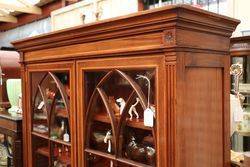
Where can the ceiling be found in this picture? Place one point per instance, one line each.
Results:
(9, 9)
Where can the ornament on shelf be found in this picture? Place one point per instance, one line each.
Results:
(66, 150)
(59, 152)
(62, 129)
(50, 94)
(141, 152)
(56, 150)
(114, 106)
(40, 106)
(122, 104)
(149, 112)
(66, 136)
(108, 139)
(132, 110)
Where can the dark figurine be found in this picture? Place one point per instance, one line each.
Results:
(140, 152)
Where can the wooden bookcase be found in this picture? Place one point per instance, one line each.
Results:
(182, 50)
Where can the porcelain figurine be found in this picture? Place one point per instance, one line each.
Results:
(122, 104)
(114, 106)
(132, 110)
(101, 139)
(107, 139)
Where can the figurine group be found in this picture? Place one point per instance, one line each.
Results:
(118, 108)
(119, 104)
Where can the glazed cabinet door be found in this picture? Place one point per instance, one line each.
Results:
(51, 123)
(118, 112)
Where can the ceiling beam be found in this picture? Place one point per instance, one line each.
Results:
(31, 9)
(28, 18)
(7, 17)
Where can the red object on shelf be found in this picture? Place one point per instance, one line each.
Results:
(56, 151)
(43, 151)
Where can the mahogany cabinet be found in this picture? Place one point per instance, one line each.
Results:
(147, 89)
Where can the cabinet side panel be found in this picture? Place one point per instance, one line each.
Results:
(200, 123)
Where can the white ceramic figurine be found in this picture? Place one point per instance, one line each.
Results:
(133, 109)
(122, 104)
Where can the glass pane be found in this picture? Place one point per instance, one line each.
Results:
(136, 140)
(51, 96)
(121, 98)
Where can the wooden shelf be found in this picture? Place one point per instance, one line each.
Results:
(134, 123)
(137, 124)
(50, 139)
(60, 142)
(112, 157)
(39, 121)
(100, 153)
(44, 136)
(43, 151)
(131, 162)
(102, 118)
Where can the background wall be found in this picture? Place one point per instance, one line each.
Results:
(241, 11)
(28, 30)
